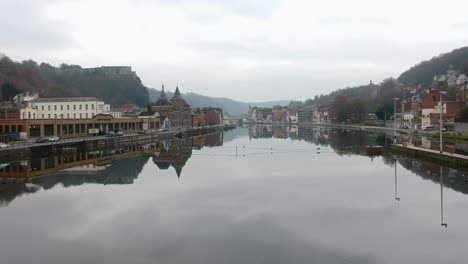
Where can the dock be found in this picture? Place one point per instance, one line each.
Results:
(444, 158)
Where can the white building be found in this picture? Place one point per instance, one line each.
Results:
(461, 79)
(61, 108)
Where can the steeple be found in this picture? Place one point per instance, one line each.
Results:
(178, 171)
(163, 94)
(177, 92)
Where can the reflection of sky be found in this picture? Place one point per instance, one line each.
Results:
(291, 207)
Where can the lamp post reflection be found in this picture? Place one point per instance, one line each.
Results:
(442, 200)
(396, 181)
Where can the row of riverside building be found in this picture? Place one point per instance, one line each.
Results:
(29, 116)
(289, 114)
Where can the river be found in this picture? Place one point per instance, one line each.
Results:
(252, 195)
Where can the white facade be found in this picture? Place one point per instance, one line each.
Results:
(63, 108)
(461, 79)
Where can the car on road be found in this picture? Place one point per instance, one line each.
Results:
(427, 127)
(4, 145)
(53, 139)
(114, 134)
(162, 129)
(42, 140)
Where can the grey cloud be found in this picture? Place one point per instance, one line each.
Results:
(259, 8)
(26, 27)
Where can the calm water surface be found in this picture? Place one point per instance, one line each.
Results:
(280, 200)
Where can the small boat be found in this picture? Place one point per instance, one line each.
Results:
(374, 150)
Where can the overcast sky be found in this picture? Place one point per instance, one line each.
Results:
(242, 49)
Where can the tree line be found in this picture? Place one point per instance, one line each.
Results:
(67, 81)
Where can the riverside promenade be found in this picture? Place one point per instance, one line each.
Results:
(24, 148)
(449, 158)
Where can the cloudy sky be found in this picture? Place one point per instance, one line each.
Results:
(245, 49)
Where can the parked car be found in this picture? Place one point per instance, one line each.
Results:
(42, 140)
(114, 134)
(162, 129)
(4, 145)
(427, 128)
(53, 139)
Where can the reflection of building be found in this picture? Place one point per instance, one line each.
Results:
(176, 155)
(108, 166)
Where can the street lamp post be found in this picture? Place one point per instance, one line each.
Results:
(394, 119)
(441, 121)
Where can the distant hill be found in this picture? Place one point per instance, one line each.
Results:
(423, 72)
(114, 85)
(230, 106)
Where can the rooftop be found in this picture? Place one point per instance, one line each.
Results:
(66, 99)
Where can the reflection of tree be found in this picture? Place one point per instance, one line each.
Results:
(8, 192)
(173, 153)
(123, 171)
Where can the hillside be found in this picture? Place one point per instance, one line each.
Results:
(115, 85)
(424, 72)
(230, 106)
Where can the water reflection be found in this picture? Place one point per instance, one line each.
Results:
(106, 166)
(277, 202)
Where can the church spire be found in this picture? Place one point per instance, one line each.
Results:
(163, 94)
(177, 92)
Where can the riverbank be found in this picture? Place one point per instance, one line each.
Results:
(443, 158)
(25, 148)
(351, 126)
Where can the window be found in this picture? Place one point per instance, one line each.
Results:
(92, 106)
(55, 115)
(42, 115)
(49, 116)
(74, 115)
(74, 107)
(34, 115)
(20, 128)
(86, 115)
(68, 107)
(86, 106)
(48, 107)
(68, 115)
(81, 116)
(29, 115)
(61, 107)
(42, 108)
(434, 98)
(81, 107)
(24, 115)
(55, 107)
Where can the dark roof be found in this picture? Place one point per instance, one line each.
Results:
(11, 105)
(177, 92)
(147, 113)
(66, 99)
(162, 100)
(163, 165)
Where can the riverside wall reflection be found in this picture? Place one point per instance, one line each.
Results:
(354, 142)
(107, 166)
